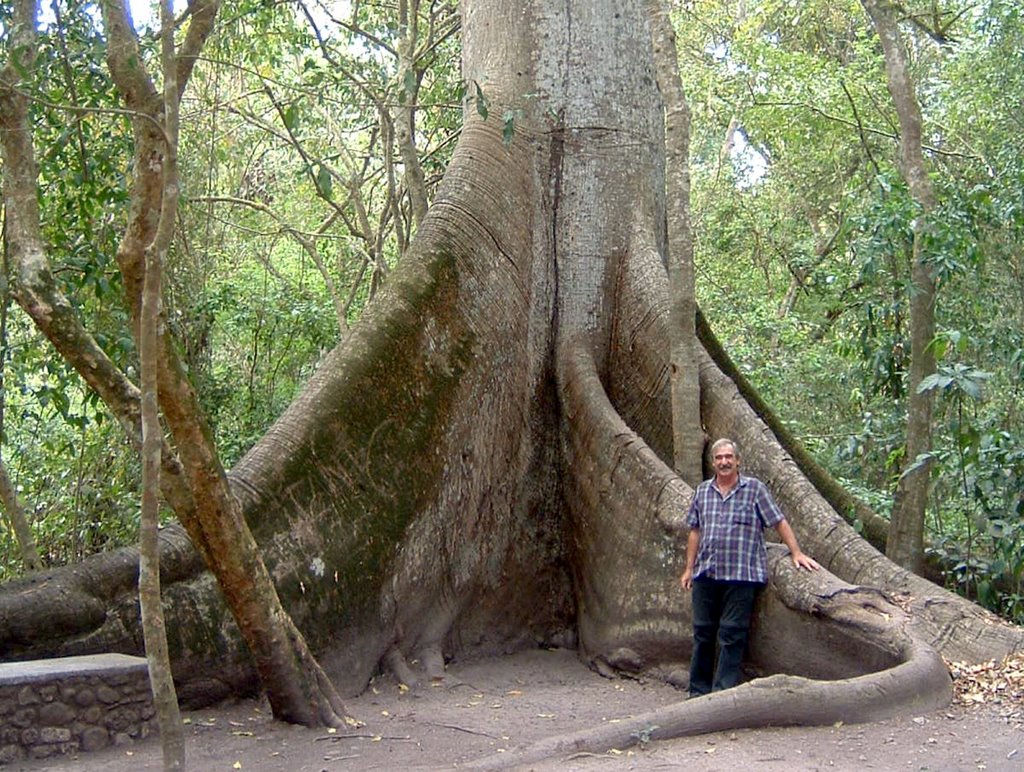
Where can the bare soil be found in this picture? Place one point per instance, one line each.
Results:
(488, 705)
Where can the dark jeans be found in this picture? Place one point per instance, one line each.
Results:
(721, 614)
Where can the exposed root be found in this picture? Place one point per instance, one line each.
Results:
(429, 666)
(432, 662)
(332, 711)
(400, 669)
(919, 685)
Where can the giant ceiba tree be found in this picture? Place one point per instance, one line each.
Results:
(484, 463)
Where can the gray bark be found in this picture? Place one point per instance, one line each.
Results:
(687, 433)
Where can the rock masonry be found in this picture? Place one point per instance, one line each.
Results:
(72, 704)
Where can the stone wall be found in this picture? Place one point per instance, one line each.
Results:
(72, 704)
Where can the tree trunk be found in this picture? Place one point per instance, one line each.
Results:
(483, 464)
(9, 499)
(165, 699)
(687, 432)
(404, 119)
(18, 522)
(905, 545)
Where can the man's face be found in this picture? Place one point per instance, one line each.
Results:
(725, 461)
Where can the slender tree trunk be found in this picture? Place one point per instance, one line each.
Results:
(16, 518)
(905, 545)
(13, 509)
(34, 286)
(165, 698)
(404, 119)
(298, 689)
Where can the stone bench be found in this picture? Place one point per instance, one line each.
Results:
(71, 704)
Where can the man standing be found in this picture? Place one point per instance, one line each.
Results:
(727, 564)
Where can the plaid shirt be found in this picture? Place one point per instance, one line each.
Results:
(731, 546)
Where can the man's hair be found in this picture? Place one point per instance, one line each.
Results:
(724, 441)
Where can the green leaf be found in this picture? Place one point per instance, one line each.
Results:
(325, 182)
(291, 117)
(935, 381)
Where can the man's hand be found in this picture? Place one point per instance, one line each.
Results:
(800, 560)
(687, 579)
(692, 542)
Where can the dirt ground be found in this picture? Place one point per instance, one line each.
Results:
(488, 705)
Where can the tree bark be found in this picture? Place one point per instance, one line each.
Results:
(687, 433)
(165, 699)
(905, 545)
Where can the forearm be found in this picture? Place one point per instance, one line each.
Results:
(692, 542)
(788, 537)
(800, 560)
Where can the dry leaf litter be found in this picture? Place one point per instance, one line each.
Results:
(996, 684)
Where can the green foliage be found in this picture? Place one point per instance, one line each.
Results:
(72, 468)
(804, 235)
(293, 210)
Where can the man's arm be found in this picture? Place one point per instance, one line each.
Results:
(800, 560)
(692, 541)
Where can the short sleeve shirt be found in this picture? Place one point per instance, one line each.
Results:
(731, 546)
